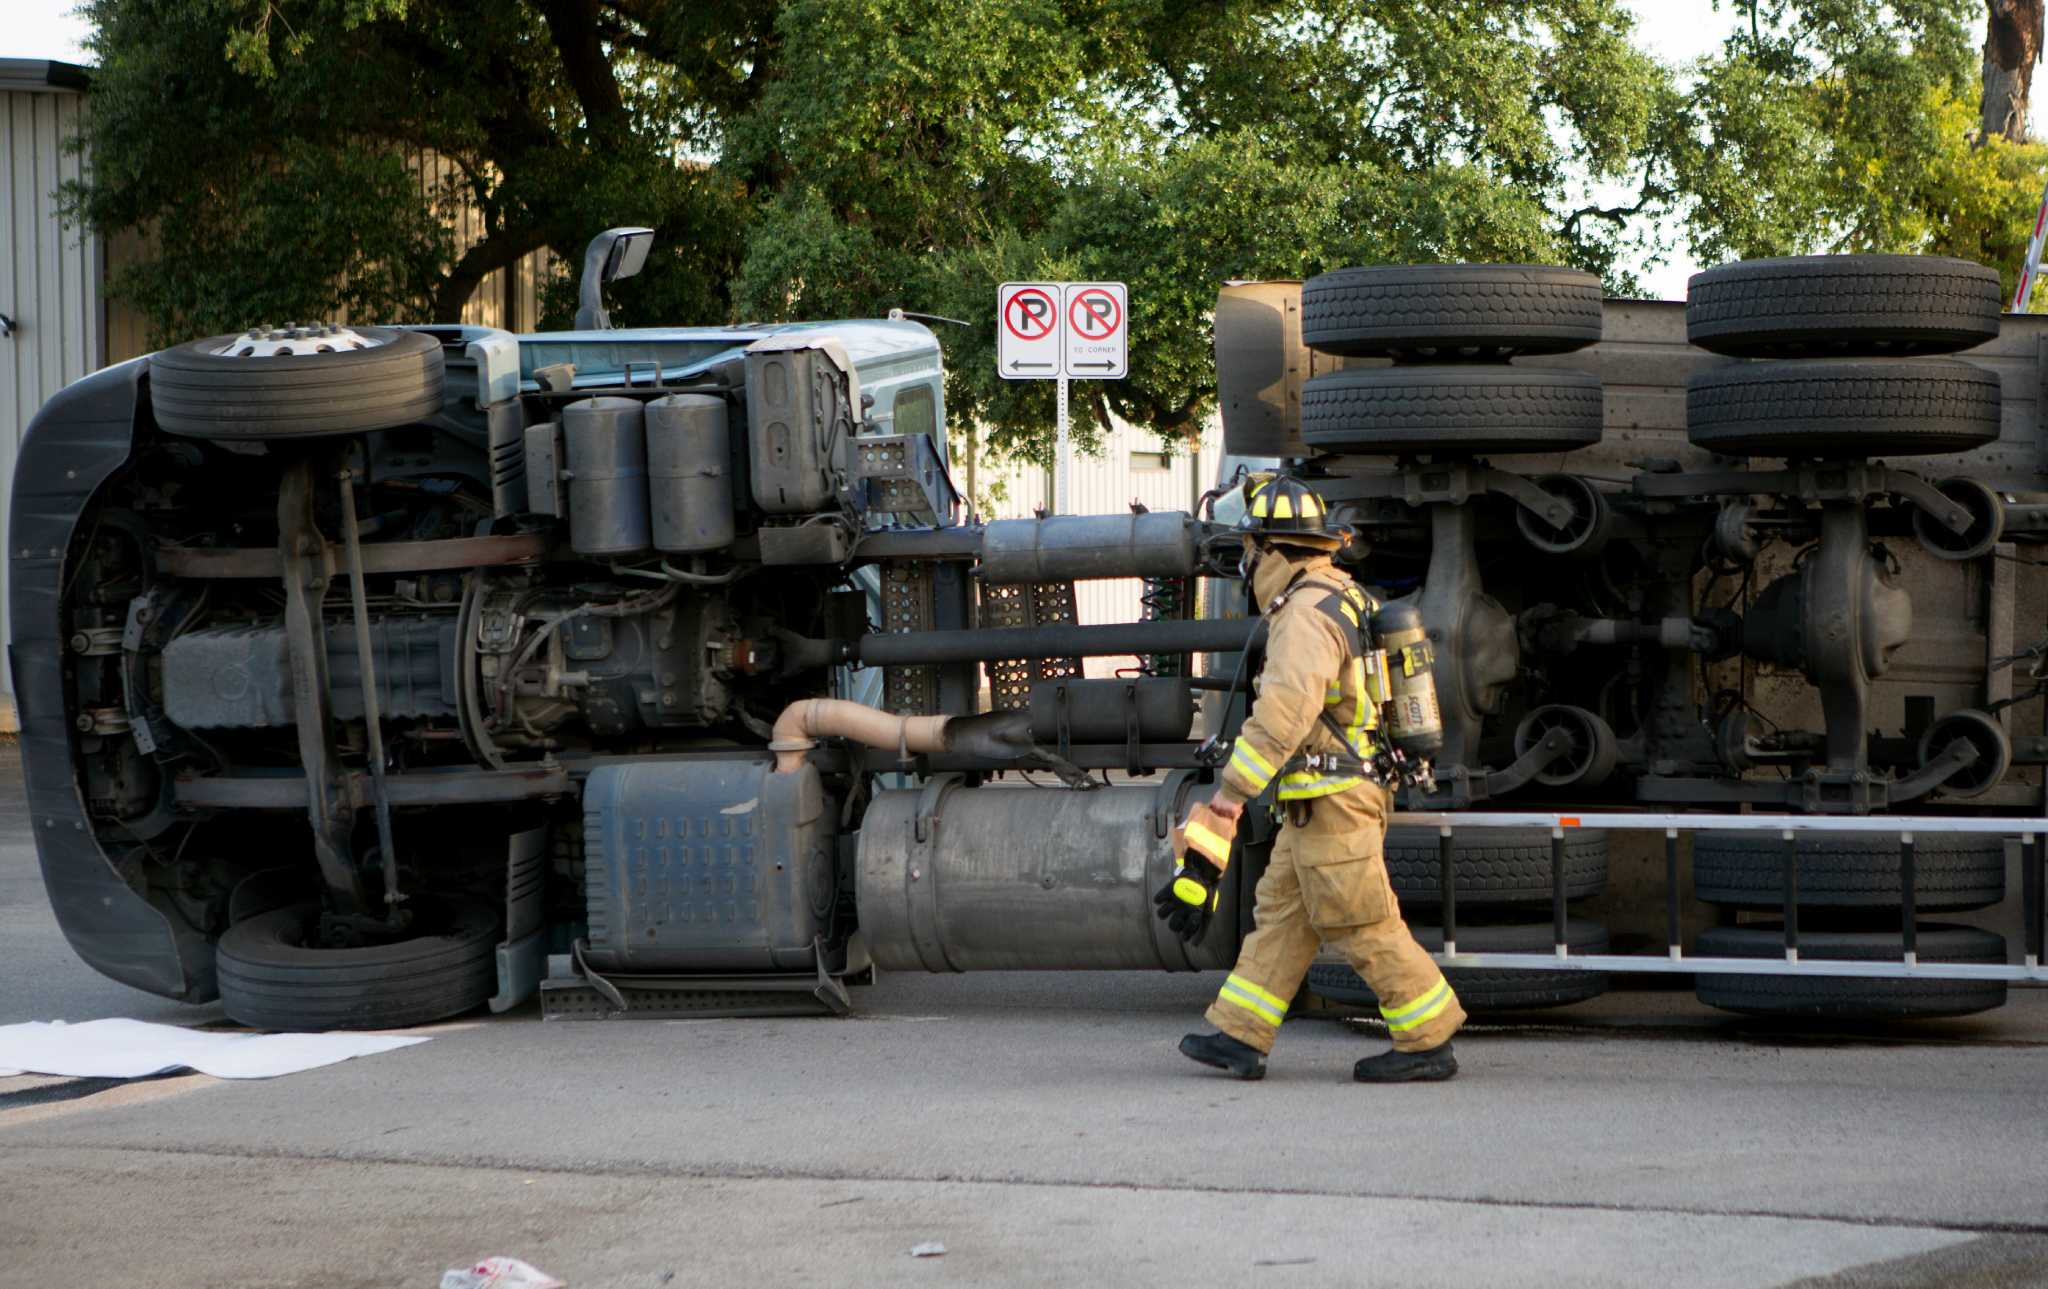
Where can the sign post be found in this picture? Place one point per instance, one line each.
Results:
(1062, 331)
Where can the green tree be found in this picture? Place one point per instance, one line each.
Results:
(819, 158)
(263, 146)
(1850, 125)
(921, 151)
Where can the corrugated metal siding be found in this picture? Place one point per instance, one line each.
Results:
(1106, 482)
(442, 183)
(49, 275)
(529, 276)
(49, 278)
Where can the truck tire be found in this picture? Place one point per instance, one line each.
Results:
(209, 389)
(1485, 989)
(269, 979)
(1849, 871)
(1850, 998)
(1843, 408)
(1496, 868)
(1843, 306)
(1448, 311)
(1451, 409)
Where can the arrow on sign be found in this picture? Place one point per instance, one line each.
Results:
(1016, 365)
(1095, 366)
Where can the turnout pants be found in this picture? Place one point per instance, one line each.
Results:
(1327, 884)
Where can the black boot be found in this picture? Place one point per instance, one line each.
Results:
(1240, 1060)
(1432, 1065)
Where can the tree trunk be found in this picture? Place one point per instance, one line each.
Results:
(2012, 45)
(499, 250)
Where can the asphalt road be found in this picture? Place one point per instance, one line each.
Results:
(1043, 1129)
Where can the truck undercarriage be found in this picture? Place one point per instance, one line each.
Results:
(363, 670)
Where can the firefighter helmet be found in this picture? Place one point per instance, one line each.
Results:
(1281, 508)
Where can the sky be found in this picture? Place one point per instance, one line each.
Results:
(1674, 30)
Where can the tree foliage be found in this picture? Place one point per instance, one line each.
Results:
(271, 149)
(817, 158)
(1850, 125)
(921, 151)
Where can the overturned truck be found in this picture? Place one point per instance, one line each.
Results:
(363, 671)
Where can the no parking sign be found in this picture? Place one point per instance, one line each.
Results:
(1062, 331)
(1098, 331)
(1028, 330)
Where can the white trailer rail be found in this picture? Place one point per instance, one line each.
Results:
(2030, 832)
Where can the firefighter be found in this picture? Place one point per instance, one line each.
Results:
(1310, 736)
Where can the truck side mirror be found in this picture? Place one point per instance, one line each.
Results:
(613, 254)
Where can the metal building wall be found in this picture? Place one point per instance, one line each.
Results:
(49, 276)
(127, 330)
(49, 282)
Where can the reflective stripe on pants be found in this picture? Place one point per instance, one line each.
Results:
(1327, 883)
(1414, 1015)
(1254, 998)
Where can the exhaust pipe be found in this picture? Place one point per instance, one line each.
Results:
(803, 723)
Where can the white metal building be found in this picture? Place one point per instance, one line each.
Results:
(53, 325)
(1130, 465)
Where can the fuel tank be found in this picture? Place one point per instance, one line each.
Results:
(952, 878)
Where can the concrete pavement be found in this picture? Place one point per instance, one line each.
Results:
(1043, 1129)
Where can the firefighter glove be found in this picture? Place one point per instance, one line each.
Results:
(1189, 901)
(1201, 849)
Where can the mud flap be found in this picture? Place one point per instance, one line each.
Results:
(523, 957)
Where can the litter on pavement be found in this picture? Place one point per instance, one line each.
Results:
(499, 1273)
(133, 1049)
(931, 1250)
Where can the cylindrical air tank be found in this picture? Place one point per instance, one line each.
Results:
(689, 481)
(605, 441)
(1414, 724)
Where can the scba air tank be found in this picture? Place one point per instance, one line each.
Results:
(606, 443)
(1414, 725)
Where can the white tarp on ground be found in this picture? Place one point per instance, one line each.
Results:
(133, 1049)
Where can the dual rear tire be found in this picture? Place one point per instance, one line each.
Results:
(1851, 997)
(1846, 342)
(1450, 330)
